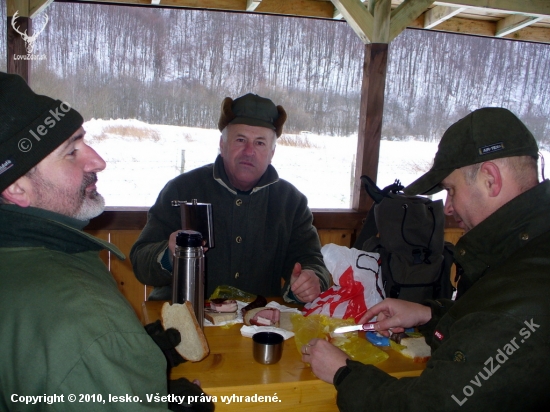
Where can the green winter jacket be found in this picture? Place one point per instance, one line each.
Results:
(490, 348)
(259, 236)
(65, 328)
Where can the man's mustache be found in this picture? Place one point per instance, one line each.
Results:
(89, 178)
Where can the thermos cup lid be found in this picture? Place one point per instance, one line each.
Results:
(189, 238)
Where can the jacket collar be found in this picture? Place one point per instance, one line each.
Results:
(268, 178)
(34, 227)
(508, 229)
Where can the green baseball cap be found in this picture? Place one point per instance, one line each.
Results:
(485, 134)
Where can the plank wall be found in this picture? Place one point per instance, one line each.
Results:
(136, 292)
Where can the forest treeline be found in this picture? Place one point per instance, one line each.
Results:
(174, 66)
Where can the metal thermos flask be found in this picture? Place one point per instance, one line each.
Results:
(188, 274)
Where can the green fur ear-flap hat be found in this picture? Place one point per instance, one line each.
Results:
(485, 134)
(252, 110)
(31, 127)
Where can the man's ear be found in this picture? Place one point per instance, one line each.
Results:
(493, 178)
(17, 193)
(221, 145)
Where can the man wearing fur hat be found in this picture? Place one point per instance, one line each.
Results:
(65, 329)
(262, 226)
(490, 346)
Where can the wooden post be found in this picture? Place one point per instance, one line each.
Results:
(16, 46)
(370, 121)
(352, 181)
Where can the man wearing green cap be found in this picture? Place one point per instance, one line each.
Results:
(262, 226)
(490, 346)
(65, 329)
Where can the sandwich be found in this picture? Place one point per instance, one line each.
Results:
(221, 310)
(193, 345)
(262, 317)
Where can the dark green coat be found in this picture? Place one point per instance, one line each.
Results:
(64, 326)
(273, 223)
(490, 348)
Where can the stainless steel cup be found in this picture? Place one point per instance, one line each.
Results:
(267, 347)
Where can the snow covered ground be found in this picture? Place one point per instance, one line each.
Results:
(142, 158)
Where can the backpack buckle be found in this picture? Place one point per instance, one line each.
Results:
(417, 256)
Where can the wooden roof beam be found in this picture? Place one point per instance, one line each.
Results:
(514, 23)
(27, 8)
(486, 28)
(405, 14)
(38, 6)
(251, 5)
(337, 15)
(537, 8)
(381, 10)
(358, 17)
(439, 14)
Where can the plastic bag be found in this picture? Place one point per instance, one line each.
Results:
(320, 326)
(231, 292)
(357, 283)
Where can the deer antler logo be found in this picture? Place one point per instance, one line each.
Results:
(29, 40)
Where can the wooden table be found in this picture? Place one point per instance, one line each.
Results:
(230, 371)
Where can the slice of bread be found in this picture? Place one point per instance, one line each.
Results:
(416, 349)
(193, 345)
(219, 317)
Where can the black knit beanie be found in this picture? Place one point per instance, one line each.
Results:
(31, 127)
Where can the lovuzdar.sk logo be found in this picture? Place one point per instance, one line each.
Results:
(29, 40)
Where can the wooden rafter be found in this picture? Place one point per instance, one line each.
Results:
(357, 16)
(439, 14)
(405, 14)
(27, 8)
(538, 8)
(251, 5)
(514, 23)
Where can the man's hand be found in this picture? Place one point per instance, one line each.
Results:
(325, 358)
(172, 244)
(397, 315)
(305, 284)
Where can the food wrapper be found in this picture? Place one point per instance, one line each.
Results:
(357, 286)
(231, 292)
(322, 327)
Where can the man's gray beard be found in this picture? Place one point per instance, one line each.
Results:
(91, 203)
(93, 206)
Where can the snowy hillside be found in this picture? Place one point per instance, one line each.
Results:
(141, 158)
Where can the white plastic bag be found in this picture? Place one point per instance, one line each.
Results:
(357, 277)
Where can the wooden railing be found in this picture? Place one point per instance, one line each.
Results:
(122, 227)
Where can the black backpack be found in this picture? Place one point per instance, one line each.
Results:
(407, 232)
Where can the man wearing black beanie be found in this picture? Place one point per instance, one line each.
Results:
(65, 329)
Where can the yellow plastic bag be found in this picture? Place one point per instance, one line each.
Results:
(231, 292)
(320, 326)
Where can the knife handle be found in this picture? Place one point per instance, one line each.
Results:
(369, 326)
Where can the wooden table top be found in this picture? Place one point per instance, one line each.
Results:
(230, 370)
